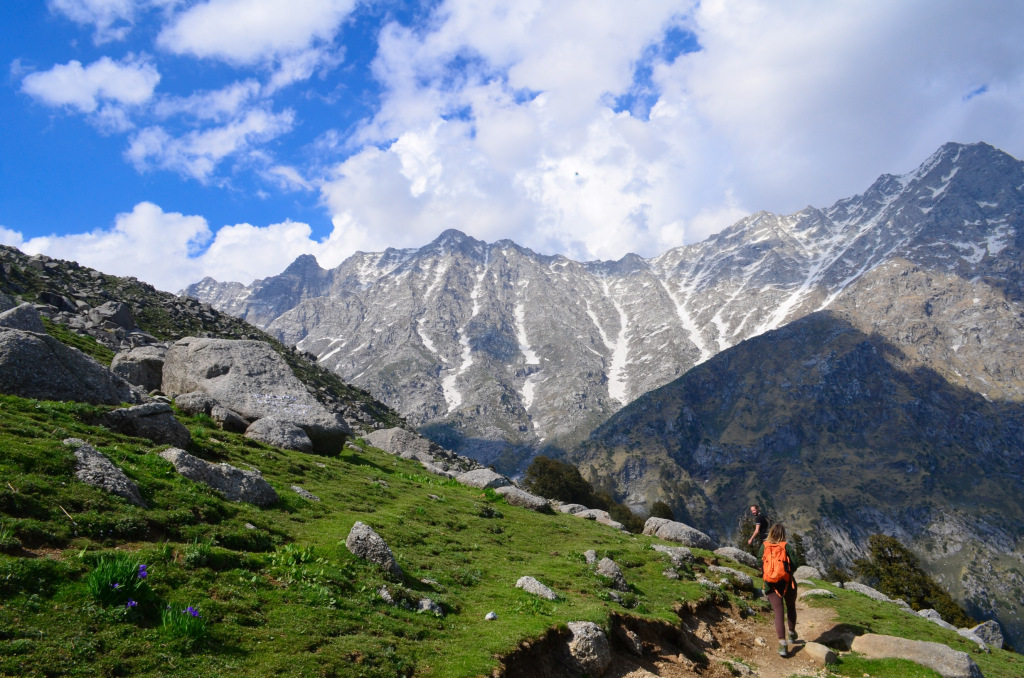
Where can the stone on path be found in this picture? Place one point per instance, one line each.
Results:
(820, 654)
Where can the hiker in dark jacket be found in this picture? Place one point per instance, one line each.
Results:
(760, 525)
(779, 585)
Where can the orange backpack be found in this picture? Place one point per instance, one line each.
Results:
(775, 564)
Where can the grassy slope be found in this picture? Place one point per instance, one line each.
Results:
(287, 598)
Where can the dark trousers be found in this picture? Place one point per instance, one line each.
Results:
(776, 595)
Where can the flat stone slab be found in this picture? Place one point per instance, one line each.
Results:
(739, 555)
(93, 467)
(670, 530)
(945, 661)
(867, 591)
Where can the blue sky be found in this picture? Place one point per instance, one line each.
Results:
(174, 139)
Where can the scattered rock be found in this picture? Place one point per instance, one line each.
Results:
(739, 555)
(428, 605)
(936, 618)
(408, 445)
(867, 591)
(817, 593)
(588, 648)
(531, 585)
(305, 494)
(24, 317)
(600, 516)
(670, 573)
(990, 632)
(516, 497)
(279, 433)
(234, 483)
(38, 366)
(945, 661)
(114, 312)
(971, 636)
(483, 478)
(820, 654)
(198, 402)
(630, 640)
(153, 421)
(93, 467)
(572, 509)
(607, 568)
(142, 366)
(670, 530)
(807, 572)
(250, 378)
(364, 543)
(677, 554)
(590, 556)
(491, 616)
(744, 580)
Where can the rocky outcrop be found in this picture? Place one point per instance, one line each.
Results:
(670, 530)
(152, 421)
(24, 317)
(142, 366)
(364, 543)
(483, 478)
(588, 649)
(517, 497)
(233, 483)
(279, 433)
(38, 366)
(408, 445)
(202, 403)
(94, 468)
(739, 555)
(531, 585)
(945, 661)
(990, 633)
(250, 378)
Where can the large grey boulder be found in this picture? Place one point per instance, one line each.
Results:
(867, 591)
(198, 402)
(572, 509)
(677, 554)
(250, 378)
(482, 478)
(93, 467)
(945, 661)
(24, 317)
(820, 654)
(38, 366)
(670, 530)
(152, 421)
(364, 543)
(608, 569)
(142, 366)
(739, 555)
(806, 572)
(516, 497)
(114, 312)
(531, 585)
(742, 579)
(589, 651)
(990, 632)
(279, 433)
(600, 516)
(234, 483)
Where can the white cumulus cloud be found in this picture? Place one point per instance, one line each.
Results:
(129, 82)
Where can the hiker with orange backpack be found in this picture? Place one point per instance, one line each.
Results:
(779, 585)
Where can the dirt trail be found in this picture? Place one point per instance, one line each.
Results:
(726, 638)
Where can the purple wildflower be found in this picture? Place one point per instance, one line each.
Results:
(142, 572)
(115, 585)
(130, 604)
(191, 610)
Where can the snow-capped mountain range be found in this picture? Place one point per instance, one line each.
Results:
(497, 351)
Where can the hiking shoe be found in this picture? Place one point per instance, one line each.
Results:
(792, 636)
(783, 648)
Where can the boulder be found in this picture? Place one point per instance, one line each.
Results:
(572, 509)
(142, 366)
(945, 661)
(867, 591)
(198, 402)
(483, 478)
(24, 317)
(304, 493)
(531, 585)
(400, 442)
(820, 654)
(600, 516)
(589, 652)
(608, 569)
(152, 421)
(990, 632)
(590, 556)
(250, 378)
(670, 530)
(936, 618)
(6, 303)
(113, 312)
(429, 606)
(630, 641)
(234, 483)
(970, 635)
(744, 580)
(516, 497)
(817, 593)
(364, 543)
(677, 554)
(93, 467)
(38, 366)
(739, 555)
(279, 433)
(807, 572)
